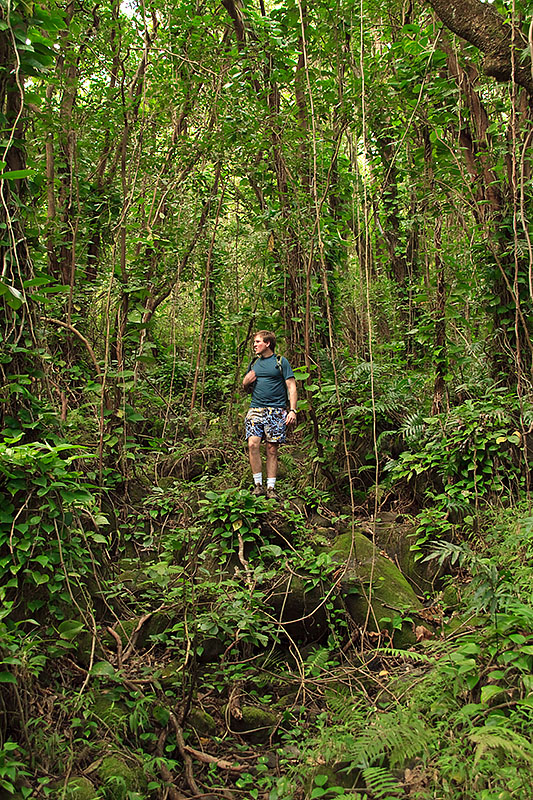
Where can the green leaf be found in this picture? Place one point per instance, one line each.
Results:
(16, 174)
(13, 297)
(103, 668)
(70, 628)
(40, 578)
(490, 690)
(7, 677)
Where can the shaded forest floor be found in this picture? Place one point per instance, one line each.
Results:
(206, 643)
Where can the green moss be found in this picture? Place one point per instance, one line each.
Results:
(83, 647)
(109, 709)
(77, 789)
(124, 628)
(257, 724)
(450, 596)
(120, 778)
(201, 722)
(370, 575)
(172, 675)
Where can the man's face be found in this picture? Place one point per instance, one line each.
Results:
(260, 346)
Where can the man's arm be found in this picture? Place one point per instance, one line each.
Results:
(249, 378)
(293, 400)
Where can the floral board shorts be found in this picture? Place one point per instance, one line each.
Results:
(268, 423)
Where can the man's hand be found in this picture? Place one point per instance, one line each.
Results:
(248, 379)
(291, 418)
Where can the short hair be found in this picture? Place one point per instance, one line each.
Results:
(267, 336)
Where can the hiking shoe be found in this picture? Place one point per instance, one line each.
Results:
(258, 490)
(272, 494)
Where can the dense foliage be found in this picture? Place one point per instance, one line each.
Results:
(357, 177)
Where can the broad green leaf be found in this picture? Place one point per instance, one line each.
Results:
(490, 690)
(103, 668)
(70, 628)
(17, 174)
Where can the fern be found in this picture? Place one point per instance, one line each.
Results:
(345, 707)
(493, 737)
(400, 736)
(527, 415)
(412, 427)
(381, 783)
(318, 662)
(394, 652)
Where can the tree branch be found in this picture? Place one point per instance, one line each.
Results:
(484, 27)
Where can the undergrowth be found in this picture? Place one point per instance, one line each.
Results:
(138, 632)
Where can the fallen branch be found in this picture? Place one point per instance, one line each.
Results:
(221, 763)
(187, 761)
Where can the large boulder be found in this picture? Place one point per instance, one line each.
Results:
(392, 533)
(368, 577)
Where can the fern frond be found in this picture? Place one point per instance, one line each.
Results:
(401, 736)
(351, 711)
(412, 427)
(527, 415)
(381, 783)
(367, 368)
(318, 661)
(493, 737)
(394, 652)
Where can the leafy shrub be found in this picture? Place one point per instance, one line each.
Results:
(463, 460)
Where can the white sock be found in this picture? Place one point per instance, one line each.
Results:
(271, 482)
(258, 478)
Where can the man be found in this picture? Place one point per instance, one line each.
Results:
(272, 383)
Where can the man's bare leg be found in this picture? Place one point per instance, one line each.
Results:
(254, 454)
(272, 459)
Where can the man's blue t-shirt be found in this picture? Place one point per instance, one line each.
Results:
(269, 388)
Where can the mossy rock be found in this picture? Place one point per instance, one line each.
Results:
(120, 778)
(319, 521)
(324, 532)
(83, 648)
(330, 775)
(157, 624)
(201, 722)
(132, 579)
(367, 571)
(392, 534)
(277, 529)
(109, 709)
(76, 789)
(124, 628)
(210, 650)
(127, 563)
(257, 724)
(450, 596)
(166, 483)
(287, 701)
